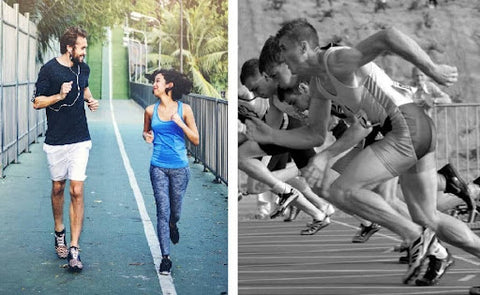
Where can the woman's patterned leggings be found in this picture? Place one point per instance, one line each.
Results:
(169, 186)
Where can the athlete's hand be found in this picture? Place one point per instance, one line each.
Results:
(65, 89)
(444, 74)
(148, 136)
(258, 131)
(315, 171)
(92, 104)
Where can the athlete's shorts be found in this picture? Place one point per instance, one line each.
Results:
(68, 161)
(300, 157)
(411, 137)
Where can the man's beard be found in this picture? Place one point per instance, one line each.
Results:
(75, 59)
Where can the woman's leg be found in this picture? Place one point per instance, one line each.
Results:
(160, 185)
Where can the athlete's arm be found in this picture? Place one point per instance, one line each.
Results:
(346, 61)
(188, 124)
(147, 120)
(352, 136)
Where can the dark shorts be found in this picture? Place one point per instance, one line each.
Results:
(300, 157)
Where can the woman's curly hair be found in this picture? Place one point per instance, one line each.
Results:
(181, 84)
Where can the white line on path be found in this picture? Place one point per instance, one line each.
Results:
(166, 282)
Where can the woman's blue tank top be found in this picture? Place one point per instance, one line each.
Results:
(169, 149)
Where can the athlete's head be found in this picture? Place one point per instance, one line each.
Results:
(271, 62)
(295, 39)
(258, 83)
(74, 42)
(298, 97)
(171, 83)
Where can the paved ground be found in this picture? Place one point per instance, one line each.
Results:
(113, 244)
(274, 258)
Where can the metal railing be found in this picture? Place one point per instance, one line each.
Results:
(20, 125)
(211, 116)
(458, 137)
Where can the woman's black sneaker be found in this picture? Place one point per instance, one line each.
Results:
(165, 266)
(174, 234)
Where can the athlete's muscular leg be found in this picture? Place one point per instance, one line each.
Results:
(352, 190)
(420, 190)
(247, 162)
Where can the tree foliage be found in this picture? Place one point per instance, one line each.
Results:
(52, 17)
(205, 42)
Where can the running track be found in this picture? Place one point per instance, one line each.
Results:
(274, 258)
(115, 246)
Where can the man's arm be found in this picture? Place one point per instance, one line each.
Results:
(346, 61)
(353, 135)
(92, 103)
(43, 101)
(311, 135)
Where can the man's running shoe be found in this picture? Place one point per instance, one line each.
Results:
(61, 244)
(165, 266)
(365, 232)
(174, 234)
(292, 215)
(74, 262)
(284, 201)
(315, 226)
(436, 269)
(417, 252)
(456, 185)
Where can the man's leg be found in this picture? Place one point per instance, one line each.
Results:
(350, 190)
(419, 189)
(248, 153)
(76, 211)
(58, 199)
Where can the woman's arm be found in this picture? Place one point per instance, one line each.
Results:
(189, 127)
(147, 119)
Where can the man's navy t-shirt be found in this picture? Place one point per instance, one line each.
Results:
(66, 119)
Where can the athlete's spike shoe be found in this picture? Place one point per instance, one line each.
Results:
(315, 226)
(475, 290)
(284, 201)
(436, 269)
(417, 252)
(365, 232)
(456, 185)
(292, 215)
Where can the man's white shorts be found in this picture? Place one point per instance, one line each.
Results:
(68, 161)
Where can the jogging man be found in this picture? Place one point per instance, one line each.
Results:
(62, 89)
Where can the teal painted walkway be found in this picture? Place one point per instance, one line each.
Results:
(113, 245)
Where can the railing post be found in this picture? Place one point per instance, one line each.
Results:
(217, 145)
(27, 15)
(2, 125)
(17, 149)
